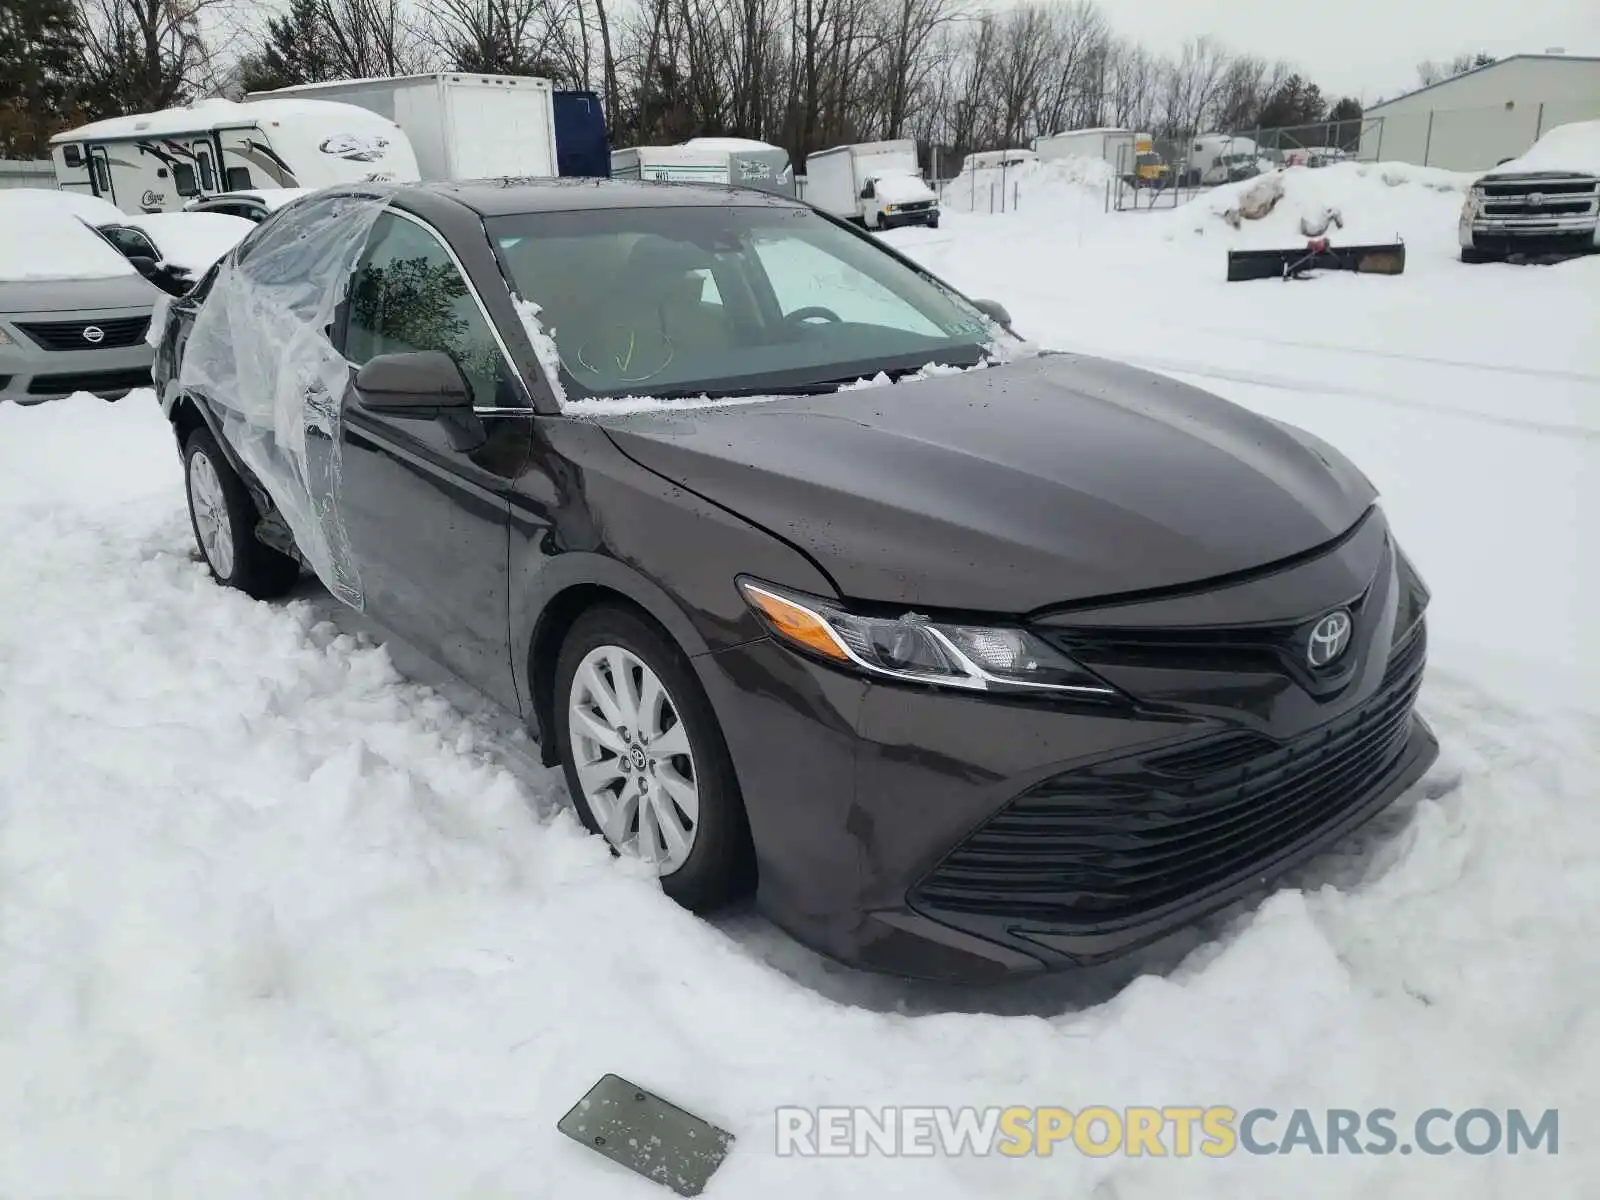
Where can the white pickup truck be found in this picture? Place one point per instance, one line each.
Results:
(1542, 206)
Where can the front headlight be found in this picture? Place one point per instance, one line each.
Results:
(913, 649)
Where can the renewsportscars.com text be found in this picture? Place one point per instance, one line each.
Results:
(1216, 1131)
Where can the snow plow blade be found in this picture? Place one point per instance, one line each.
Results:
(1290, 264)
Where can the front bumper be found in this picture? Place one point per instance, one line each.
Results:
(30, 373)
(899, 220)
(947, 836)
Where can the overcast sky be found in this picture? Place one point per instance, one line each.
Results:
(1364, 48)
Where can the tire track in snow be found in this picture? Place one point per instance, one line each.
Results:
(1322, 387)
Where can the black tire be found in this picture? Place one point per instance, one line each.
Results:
(720, 864)
(933, 223)
(257, 569)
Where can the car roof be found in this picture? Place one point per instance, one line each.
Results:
(511, 197)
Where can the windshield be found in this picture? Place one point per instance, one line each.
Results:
(728, 299)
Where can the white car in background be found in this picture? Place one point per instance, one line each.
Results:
(189, 241)
(73, 311)
(253, 206)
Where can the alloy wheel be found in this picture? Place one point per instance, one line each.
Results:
(633, 758)
(211, 519)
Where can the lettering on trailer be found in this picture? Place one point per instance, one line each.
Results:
(354, 147)
(153, 199)
(754, 168)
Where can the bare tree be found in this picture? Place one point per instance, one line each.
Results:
(140, 55)
(369, 38)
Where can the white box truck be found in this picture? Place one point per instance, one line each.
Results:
(877, 184)
(671, 164)
(1114, 146)
(461, 125)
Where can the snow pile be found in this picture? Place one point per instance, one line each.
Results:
(38, 243)
(1351, 202)
(1573, 147)
(1028, 184)
(192, 240)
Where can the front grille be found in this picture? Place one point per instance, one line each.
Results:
(89, 381)
(1105, 845)
(1244, 649)
(115, 332)
(918, 206)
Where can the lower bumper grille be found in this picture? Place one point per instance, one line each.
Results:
(1109, 844)
(89, 381)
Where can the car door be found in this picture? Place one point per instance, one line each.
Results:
(425, 502)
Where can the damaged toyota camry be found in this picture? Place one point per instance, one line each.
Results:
(969, 660)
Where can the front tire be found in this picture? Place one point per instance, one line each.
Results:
(645, 759)
(223, 518)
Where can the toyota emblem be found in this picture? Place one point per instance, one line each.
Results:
(93, 334)
(1329, 637)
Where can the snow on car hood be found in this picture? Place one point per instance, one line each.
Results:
(901, 189)
(1051, 480)
(1574, 148)
(192, 240)
(39, 243)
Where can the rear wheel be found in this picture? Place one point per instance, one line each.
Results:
(224, 521)
(645, 759)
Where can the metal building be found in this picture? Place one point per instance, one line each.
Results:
(1483, 116)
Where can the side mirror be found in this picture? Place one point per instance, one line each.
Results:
(994, 311)
(424, 385)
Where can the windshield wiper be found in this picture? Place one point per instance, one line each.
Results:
(805, 387)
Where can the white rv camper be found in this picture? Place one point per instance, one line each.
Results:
(461, 126)
(159, 161)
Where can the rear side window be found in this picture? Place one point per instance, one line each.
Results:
(408, 295)
(184, 180)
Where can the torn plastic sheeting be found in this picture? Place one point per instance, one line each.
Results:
(259, 350)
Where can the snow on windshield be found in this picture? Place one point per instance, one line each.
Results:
(38, 242)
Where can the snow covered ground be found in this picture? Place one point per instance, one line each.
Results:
(283, 913)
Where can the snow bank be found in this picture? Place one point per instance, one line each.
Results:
(38, 243)
(995, 189)
(1350, 202)
(1572, 147)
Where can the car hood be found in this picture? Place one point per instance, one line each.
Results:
(1010, 489)
(77, 295)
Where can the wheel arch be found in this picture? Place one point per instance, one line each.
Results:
(566, 588)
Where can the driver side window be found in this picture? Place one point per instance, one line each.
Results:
(408, 295)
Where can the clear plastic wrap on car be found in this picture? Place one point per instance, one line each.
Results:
(260, 352)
